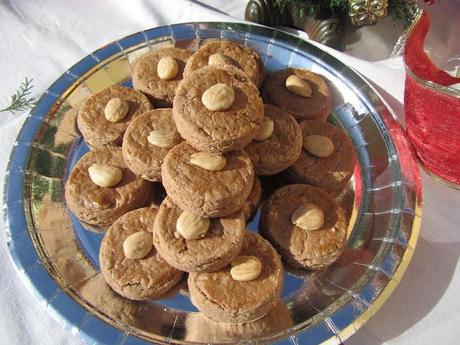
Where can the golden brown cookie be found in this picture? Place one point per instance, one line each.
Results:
(317, 106)
(217, 130)
(222, 298)
(221, 243)
(101, 206)
(244, 58)
(135, 278)
(93, 124)
(332, 172)
(311, 249)
(146, 79)
(141, 155)
(204, 192)
(281, 149)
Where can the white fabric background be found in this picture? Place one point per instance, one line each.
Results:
(41, 39)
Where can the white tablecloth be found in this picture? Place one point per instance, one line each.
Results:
(41, 39)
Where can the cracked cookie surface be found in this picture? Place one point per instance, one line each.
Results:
(220, 297)
(96, 129)
(281, 149)
(145, 76)
(301, 248)
(217, 131)
(203, 192)
(329, 173)
(98, 206)
(136, 279)
(216, 249)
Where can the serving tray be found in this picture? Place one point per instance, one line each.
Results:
(58, 258)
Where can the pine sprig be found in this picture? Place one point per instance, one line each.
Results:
(21, 99)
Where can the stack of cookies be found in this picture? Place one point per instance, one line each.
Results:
(197, 125)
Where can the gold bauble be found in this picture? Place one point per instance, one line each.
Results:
(367, 12)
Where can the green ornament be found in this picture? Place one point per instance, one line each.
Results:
(367, 12)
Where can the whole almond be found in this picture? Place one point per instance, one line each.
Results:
(298, 86)
(191, 227)
(208, 161)
(138, 245)
(167, 68)
(116, 109)
(266, 129)
(219, 59)
(245, 268)
(318, 145)
(308, 217)
(105, 175)
(218, 97)
(163, 138)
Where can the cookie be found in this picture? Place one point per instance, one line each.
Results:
(244, 58)
(277, 320)
(217, 130)
(281, 149)
(221, 243)
(330, 173)
(146, 79)
(204, 192)
(317, 106)
(136, 279)
(222, 298)
(143, 157)
(96, 129)
(101, 206)
(252, 202)
(311, 249)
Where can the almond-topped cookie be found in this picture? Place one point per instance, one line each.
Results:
(278, 146)
(305, 225)
(327, 159)
(158, 73)
(223, 52)
(104, 116)
(243, 291)
(100, 188)
(147, 141)
(129, 260)
(207, 184)
(302, 93)
(218, 109)
(192, 243)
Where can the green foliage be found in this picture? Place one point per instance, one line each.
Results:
(21, 99)
(399, 9)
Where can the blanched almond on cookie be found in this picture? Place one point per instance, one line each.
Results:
(163, 138)
(208, 161)
(218, 97)
(308, 217)
(138, 245)
(116, 109)
(318, 145)
(219, 59)
(298, 86)
(245, 268)
(167, 68)
(266, 129)
(191, 227)
(105, 175)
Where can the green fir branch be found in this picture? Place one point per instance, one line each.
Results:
(21, 99)
(400, 10)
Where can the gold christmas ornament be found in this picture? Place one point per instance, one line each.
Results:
(367, 12)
